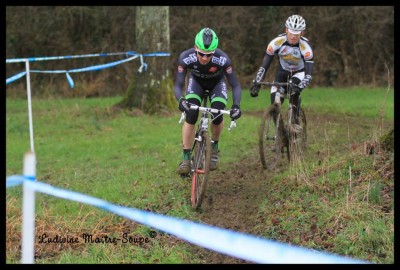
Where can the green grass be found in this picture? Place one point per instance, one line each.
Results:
(132, 161)
(362, 102)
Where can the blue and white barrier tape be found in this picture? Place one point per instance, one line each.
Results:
(34, 59)
(240, 245)
(15, 77)
(91, 68)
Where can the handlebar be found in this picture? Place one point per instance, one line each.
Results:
(209, 110)
(279, 85)
(274, 83)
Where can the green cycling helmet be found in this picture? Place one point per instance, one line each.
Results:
(206, 40)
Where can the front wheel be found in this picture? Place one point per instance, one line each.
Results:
(298, 138)
(270, 137)
(201, 169)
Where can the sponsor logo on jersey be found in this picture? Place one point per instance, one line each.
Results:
(296, 53)
(190, 85)
(190, 59)
(219, 60)
(180, 69)
(290, 57)
(212, 69)
(207, 75)
(302, 47)
(270, 50)
(279, 41)
(224, 90)
(229, 70)
(307, 55)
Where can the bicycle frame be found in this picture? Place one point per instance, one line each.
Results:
(287, 95)
(201, 151)
(282, 135)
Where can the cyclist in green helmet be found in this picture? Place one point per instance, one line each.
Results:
(209, 68)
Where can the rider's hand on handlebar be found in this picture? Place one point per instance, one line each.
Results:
(183, 105)
(235, 112)
(254, 89)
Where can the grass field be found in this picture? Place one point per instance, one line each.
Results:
(81, 145)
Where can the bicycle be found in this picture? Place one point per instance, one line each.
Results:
(277, 131)
(201, 150)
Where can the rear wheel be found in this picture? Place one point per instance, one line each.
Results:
(201, 169)
(270, 137)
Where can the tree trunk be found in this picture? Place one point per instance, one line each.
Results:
(151, 91)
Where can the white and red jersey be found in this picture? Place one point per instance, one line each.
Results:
(291, 57)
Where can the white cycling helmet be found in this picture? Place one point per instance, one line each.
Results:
(295, 24)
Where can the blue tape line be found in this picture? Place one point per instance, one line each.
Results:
(15, 77)
(33, 59)
(14, 180)
(91, 68)
(149, 54)
(30, 178)
(240, 245)
(157, 54)
(103, 66)
(70, 81)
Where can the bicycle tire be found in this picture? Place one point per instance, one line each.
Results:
(303, 123)
(270, 139)
(297, 145)
(201, 169)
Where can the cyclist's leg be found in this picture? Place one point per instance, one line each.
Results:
(218, 124)
(295, 98)
(218, 101)
(188, 128)
(193, 93)
(296, 132)
(280, 76)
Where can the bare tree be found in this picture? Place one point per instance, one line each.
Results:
(151, 91)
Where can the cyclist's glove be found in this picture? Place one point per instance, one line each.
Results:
(254, 89)
(183, 105)
(235, 112)
(306, 81)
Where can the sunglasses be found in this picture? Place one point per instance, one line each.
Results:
(205, 54)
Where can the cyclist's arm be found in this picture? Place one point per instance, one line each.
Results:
(272, 48)
(179, 82)
(235, 84)
(308, 67)
(262, 71)
(308, 56)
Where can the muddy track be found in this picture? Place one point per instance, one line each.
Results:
(232, 202)
(233, 196)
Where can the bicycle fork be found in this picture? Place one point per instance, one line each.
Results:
(204, 127)
(275, 117)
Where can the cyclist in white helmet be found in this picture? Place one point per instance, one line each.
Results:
(296, 60)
